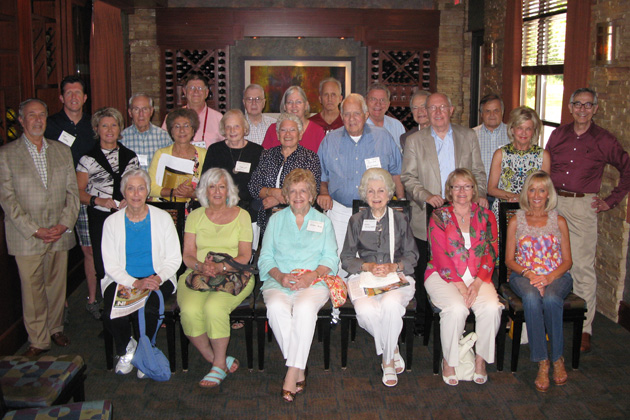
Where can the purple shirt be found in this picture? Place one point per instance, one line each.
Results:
(317, 119)
(577, 162)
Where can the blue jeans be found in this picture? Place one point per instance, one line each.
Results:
(543, 313)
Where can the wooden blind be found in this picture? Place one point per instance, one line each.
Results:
(544, 32)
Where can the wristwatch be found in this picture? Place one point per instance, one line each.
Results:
(92, 201)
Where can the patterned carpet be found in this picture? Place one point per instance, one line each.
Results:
(598, 390)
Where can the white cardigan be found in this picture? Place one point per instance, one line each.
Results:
(165, 248)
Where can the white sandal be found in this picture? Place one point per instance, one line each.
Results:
(399, 362)
(389, 374)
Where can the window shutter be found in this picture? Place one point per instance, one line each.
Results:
(544, 30)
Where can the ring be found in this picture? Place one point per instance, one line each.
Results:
(541, 283)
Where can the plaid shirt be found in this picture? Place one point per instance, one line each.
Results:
(145, 143)
(489, 142)
(39, 158)
(257, 132)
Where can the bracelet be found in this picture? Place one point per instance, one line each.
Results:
(171, 195)
(524, 271)
(399, 268)
(92, 201)
(197, 266)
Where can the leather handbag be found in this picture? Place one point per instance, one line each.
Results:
(232, 280)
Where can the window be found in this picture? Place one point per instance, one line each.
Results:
(542, 65)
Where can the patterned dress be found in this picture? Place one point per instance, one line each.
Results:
(538, 248)
(516, 165)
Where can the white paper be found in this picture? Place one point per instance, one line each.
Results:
(369, 225)
(315, 226)
(186, 166)
(67, 138)
(143, 159)
(374, 162)
(243, 167)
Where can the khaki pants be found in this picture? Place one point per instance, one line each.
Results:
(43, 278)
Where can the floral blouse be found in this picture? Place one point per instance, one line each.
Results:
(538, 248)
(449, 256)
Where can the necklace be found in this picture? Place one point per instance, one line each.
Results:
(461, 217)
(234, 171)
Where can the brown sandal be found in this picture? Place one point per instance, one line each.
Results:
(288, 396)
(300, 385)
(559, 372)
(542, 379)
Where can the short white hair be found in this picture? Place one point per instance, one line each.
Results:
(135, 172)
(212, 177)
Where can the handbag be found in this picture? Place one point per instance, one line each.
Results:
(231, 281)
(466, 369)
(336, 286)
(148, 358)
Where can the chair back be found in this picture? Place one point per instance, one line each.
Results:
(399, 205)
(506, 211)
(178, 213)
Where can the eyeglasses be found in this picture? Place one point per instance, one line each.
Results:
(587, 105)
(442, 108)
(461, 187)
(255, 100)
(288, 130)
(355, 114)
(196, 88)
(415, 108)
(137, 110)
(298, 102)
(185, 127)
(381, 101)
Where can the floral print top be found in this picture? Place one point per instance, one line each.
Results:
(449, 256)
(538, 248)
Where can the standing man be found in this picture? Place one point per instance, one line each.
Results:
(197, 90)
(254, 103)
(40, 199)
(418, 104)
(345, 154)
(73, 127)
(579, 153)
(430, 156)
(142, 136)
(330, 97)
(378, 96)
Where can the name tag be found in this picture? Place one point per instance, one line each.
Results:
(369, 225)
(242, 166)
(143, 159)
(201, 144)
(67, 138)
(374, 162)
(315, 226)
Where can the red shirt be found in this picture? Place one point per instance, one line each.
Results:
(311, 138)
(578, 162)
(317, 119)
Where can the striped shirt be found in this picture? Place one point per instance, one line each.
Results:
(39, 158)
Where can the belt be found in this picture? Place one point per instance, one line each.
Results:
(564, 193)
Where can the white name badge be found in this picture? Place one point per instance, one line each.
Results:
(201, 144)
(374, 162)
(67, 138)
(369, 225)
(143, 159)
(242, 167)
(315, 226)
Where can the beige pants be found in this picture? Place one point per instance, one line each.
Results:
(43, 278)
(582, 221)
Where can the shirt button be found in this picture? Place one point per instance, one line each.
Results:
(567, 173)
(571, 161)
(574, 148)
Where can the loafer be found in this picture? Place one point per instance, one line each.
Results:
(586, 343)
(60, 339)
(33, 352)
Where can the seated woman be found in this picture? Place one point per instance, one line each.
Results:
(369, 249)
(463, 238)
(219, 226)
(141, 250)
(538, 252)
(298, 237)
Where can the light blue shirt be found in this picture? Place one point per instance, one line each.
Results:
(446, 155)
(288, 248)
(343, 161)
(146, 143)
(394, 127)
(489, 142)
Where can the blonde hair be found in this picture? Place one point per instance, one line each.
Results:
(545, 179)
(460, 173)
(520, 115)
(300, 175)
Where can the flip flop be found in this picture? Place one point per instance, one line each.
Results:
(216, 376)
(229, 362)
(389, 374)
(399, 363)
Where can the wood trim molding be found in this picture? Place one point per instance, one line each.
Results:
(624, 315)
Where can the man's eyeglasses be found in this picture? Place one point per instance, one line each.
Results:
(255, 100)
(587, 105)
(415, 108)
(381, 101)
(461, 187)
(196, 88)
(137, 110)
(442, 108)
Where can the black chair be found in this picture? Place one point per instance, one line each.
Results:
(348, 316)
(574, 306)
(433, 319)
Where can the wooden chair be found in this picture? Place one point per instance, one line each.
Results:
(574, 306)
(433, 317)
(348, 316)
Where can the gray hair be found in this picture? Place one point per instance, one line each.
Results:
(541, 176)
(417, 93)
(376, 174)
(326, 80)
(253, 86)
(378, 86)
(135, 172)
(104, 113)
(138, 95)
(355, 97)
(290, 90)
(212, 177)
(443, 94)
(584, 90)
(30, 101)
(234, 113)
(291, 117)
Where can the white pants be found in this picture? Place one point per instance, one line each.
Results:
(292, 317)
(487, 309)
(381, 315)
(339, 216)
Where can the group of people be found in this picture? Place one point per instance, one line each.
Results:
(252, 177)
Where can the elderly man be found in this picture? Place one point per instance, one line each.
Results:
(418, 104)
(378, 96)
(197, 90)
(254, 103)
(40, 199)
(579, 152)
(345, 154)
(142, 136)
(492, 133)
(330, 97)
(73, 127)
(430, 156)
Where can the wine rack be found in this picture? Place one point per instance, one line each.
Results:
(402, 72)
(180, 63)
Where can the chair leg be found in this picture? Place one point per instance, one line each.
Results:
(437, 344)
(170, 342)
(326, 336)
(109, 349)
(320, 330)
(516, 343)
(408, 326)
(577, 342)
(79, 392)
(500, 344)
(249, 342)
(428, 320)
(269, 332)
(353, 329)
(345, 327)
(260, 327)
(183, 340)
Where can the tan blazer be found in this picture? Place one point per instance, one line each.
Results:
(421, 170)
(28, 205)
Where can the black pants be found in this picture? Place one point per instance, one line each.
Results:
(421, 292)
(120, 328)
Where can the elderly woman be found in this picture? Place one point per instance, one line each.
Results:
(236, 155)
(512, 163)
(368, 249)
(277, 162)
(298, 237)
(463, 238)
(140, 250)
(538, 252)
(181, 124)
(98, 175)
(294, 102)
(219, 226)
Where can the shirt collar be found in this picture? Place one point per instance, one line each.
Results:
(501, 127)
(448, 134)
(32, 146)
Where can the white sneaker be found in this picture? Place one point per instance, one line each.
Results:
(124, 365)
(141, 375)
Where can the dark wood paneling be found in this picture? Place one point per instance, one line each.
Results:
(624, 315)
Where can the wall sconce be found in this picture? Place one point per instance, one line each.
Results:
(491, 53)
(607, 46)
